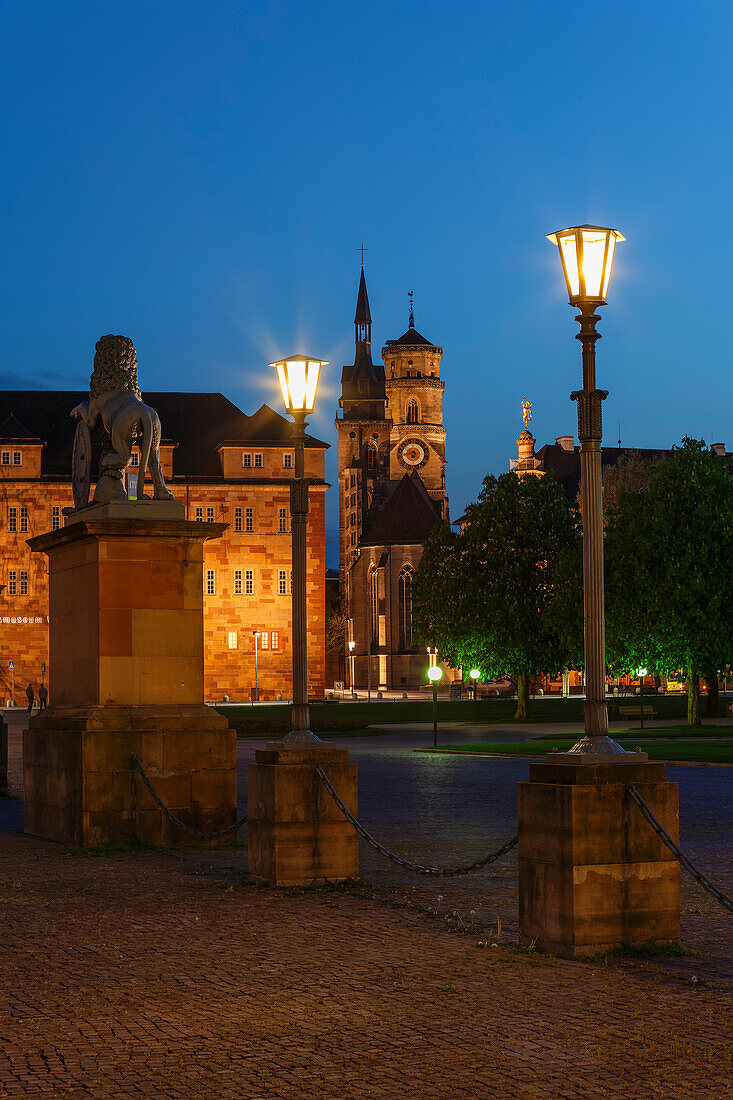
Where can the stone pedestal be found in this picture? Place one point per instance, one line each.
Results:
(592, 873)
(3, 756)
(297, 836)
(126, 676)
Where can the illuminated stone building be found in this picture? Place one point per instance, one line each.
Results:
(391, 463)
(224, 466)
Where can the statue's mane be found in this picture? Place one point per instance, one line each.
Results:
(115, 366)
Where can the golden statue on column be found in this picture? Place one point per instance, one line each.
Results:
(526, 412)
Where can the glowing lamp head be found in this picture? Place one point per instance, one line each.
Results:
(474, 673)
(641, 672)
(351, 645)
(435, 673)
(298, 378)
(586, 252)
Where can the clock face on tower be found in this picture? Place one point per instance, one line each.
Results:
(413, 453)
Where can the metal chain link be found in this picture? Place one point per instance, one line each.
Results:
(137, 766)
(662, 833)
(416, 867)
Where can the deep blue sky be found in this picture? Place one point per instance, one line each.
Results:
(199, 177)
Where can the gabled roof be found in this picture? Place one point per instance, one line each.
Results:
(12, 431)
(267, 426)
(408, 516)
(197, 422)
(363, 316)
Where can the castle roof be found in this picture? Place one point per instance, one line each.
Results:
(408, 516)
(198, 422)
(411, 338)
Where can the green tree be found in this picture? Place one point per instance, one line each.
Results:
(669, 560)
(484, 596)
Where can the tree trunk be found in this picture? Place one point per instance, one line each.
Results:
(693, 698)
(522, 696)
(711, 683)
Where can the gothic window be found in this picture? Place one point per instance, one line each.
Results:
(413, 412)
(371, 458)
(404, 586)
(374, 606)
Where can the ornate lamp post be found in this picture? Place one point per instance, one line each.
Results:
(434, 674)
(298, 377)
(351, 665)
(474, 674)
(586, 253)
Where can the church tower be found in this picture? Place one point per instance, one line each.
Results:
(391, 462)
(414, 394)
(363, 431)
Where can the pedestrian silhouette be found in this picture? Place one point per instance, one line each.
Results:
(30, 696)
(42, 697)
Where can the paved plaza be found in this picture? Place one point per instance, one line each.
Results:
(166, 974)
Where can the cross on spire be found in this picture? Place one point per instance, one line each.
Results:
(362, 249)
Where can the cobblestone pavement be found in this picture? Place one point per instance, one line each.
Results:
(167, 975)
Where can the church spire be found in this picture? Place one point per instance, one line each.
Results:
(363, 318)
(412, 312)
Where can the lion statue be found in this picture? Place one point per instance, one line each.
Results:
(117, 409)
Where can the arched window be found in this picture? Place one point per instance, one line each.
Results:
(374, 606)
(413, 412)
(371, 458)
(404, 589)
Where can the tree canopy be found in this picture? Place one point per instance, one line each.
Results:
(484, 596)
(669, 562)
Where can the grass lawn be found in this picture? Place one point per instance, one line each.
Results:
(449, 710)
(667, 732)
(708, 752)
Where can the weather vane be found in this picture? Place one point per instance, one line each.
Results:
(362, 250)
(526, 412)
(412, 312)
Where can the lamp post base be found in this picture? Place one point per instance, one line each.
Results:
(591, 745)
(301, 737)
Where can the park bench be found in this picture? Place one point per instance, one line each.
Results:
(635, 712)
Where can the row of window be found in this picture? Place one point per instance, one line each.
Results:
(11, 458)
(244, 518)
(244, 582)
(18, 518)
(268, 639)
(255, 459)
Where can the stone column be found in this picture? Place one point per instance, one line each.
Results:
(592, 872)
(297, 835)
(126, 664)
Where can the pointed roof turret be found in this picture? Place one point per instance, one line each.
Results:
(362, 384)
(363, 316)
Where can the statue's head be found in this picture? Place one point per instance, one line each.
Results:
(115, 366)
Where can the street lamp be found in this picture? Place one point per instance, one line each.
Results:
(434, 674)
(586, 253)
(298, 377)
(474, 674)
(641, 673)
(351, 665)
(256, 635)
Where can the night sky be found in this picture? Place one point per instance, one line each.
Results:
(200, 176)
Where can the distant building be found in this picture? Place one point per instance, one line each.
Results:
(391, 463)
(224, 466)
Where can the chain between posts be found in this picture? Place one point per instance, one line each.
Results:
(416, 867)
(136, 766)
(662, 833)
